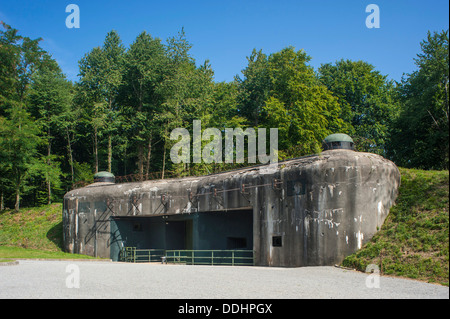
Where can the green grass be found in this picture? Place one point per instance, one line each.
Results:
(28, 253)
(5, 260)
(413, 241)
(35, 228)
(33, 233)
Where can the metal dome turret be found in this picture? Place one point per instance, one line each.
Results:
(104, 177)
(338, 141)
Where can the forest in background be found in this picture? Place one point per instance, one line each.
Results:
(55, 134)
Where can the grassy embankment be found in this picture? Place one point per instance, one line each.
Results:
(413, 241)
(33, 233)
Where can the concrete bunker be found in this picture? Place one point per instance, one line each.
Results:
(313, 210)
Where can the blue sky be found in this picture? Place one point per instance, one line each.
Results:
(225, 32)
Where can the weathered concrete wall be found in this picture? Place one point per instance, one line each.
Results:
(322, 207)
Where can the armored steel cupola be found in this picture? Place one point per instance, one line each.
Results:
(104, 177)
(338, 141)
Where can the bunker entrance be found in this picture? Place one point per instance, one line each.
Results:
(197, 231)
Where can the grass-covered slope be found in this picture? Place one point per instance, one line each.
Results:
(33, 233)
(35, 228)
(413, 241)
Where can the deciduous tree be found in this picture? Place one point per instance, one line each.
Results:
(420, 135)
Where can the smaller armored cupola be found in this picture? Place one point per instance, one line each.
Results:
(104, 177)
(338, 141)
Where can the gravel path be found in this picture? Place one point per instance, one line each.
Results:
(53, 279)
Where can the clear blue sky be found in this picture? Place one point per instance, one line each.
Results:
(225, 32)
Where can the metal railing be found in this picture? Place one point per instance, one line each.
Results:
(188, 257)
(211, 257)
(134, 255)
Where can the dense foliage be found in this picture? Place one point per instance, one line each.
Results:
(118, 117)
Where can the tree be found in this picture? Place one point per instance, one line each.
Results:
(367, 101)
(19, 133)
(19, 143)
(101, 72)
(299, 105)
(253, 88)
(9, 57)
(145, 65)
(186, 90)
(50, 104)
(223, 110)
(281, 91)
(420, 135)
(88, 97)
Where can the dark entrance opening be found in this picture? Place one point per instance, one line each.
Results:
(159, 232)
(198, 231)
(176, 235)
(224, 230)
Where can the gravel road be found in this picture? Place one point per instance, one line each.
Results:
(59, 279)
